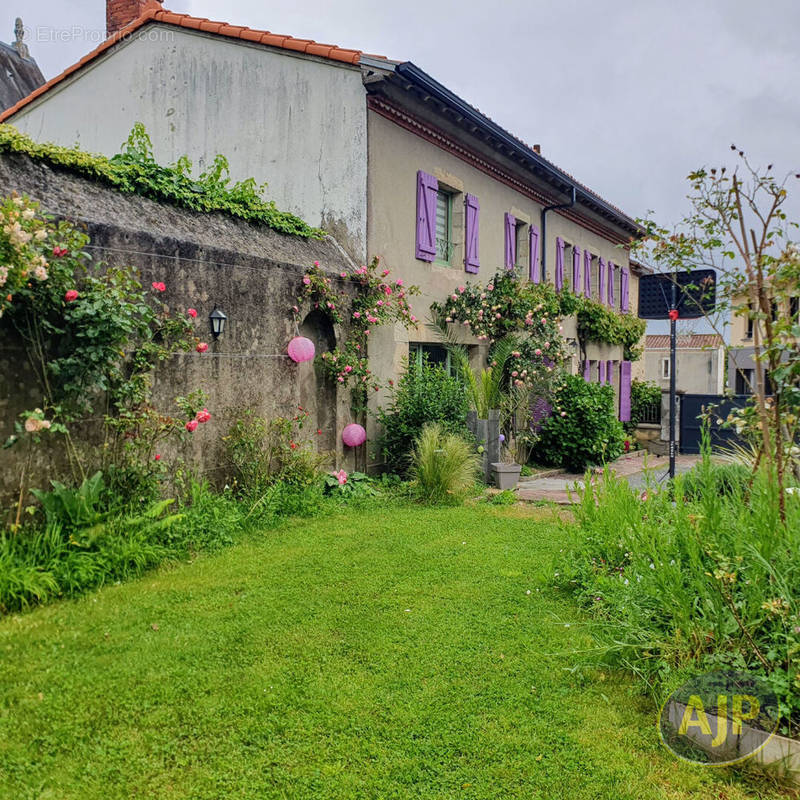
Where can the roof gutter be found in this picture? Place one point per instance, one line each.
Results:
(544, 229)
(415, 75)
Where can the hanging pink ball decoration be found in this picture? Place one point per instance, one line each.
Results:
(354, 435)
(301, 349)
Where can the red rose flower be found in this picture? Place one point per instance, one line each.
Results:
(71, 295)
(201, 347)
(191, 425)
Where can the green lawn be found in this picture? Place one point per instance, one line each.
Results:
(392, 653)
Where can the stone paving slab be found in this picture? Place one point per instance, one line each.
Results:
(557, 488)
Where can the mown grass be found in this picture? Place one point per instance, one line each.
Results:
(390, 653)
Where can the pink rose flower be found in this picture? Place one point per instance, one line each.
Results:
(341, 476)
(306, 280)
(203, 416)
(191, 425)
(71, 295)
(158, 286)
(201, 347)
(316, 263)
(192, 312)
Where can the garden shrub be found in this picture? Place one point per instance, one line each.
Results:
(265, 452)
(424, 394)
(644, 395)
(682, 584)
(582, 428)
(444, 465)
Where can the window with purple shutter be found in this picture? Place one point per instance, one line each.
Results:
(535, 272)
(601, 279)
(427, 187)
(625, 391)
(587, 273)
(559, 277)
(624, 291)
(610, 372)
(610, 284)
(601, 371)
(471, 218)
(587, 370)
(576, 269)
(510, 258)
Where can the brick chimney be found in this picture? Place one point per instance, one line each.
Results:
(120, 13)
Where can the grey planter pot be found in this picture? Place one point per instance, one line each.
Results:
(505, 476)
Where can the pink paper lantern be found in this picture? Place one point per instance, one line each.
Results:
(354, 435)
(301, 349)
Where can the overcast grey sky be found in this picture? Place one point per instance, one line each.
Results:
(626, 95)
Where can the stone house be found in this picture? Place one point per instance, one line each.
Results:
(700, 362)
(375, 151)
(19, 73)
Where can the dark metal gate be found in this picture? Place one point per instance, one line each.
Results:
(694, 407)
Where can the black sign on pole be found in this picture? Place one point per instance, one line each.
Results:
(674, 296)
(696, 294)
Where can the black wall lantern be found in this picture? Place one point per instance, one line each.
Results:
(218, 319)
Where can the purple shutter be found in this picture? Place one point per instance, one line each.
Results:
(511, 241)
(587, 370)
(601, 371)
(610, 284)
(427, 187)
(610, 372)
(625, 391)
(471, 216)
(624, 291)
(535, 272)
(587, 273)
(601, 279)
(576, 269)
(559, 277)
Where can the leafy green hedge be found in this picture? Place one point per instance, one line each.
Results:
(135, 171)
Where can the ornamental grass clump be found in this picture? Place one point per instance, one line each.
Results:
(681, 583)
(444, 465)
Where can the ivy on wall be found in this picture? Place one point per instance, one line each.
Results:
(599, 323)
(135, 171)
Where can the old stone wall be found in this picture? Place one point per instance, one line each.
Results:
(205, 260)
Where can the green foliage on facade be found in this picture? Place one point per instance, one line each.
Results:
(135, 171)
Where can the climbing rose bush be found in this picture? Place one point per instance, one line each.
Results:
(504, 306)
(377, 300)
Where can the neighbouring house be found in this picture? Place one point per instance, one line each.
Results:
(19, 73)
(375, 151)
(700, 362)
(745, 333)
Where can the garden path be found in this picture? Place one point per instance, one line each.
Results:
(557, 487)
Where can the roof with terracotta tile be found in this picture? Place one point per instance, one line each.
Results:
(155, 13)
(694, 341)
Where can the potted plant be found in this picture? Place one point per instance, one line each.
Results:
(505, 473)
